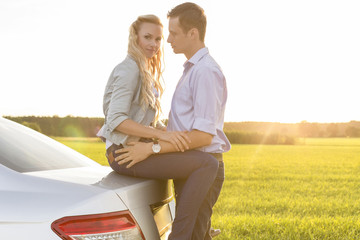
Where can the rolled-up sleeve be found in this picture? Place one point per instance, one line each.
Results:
(126, 83)
(208, 93)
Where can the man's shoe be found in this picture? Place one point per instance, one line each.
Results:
(214, 232)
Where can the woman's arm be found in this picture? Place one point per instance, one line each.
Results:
(179, 140)
(139, 151)
(130, 127)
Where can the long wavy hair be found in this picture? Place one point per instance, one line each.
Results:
(150, 68)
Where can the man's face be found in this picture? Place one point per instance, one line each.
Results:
(179, 40)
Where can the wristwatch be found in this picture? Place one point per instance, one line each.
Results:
(156, 146)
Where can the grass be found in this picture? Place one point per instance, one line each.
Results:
(306, 191)
(93, 148)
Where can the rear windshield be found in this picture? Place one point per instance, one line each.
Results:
(25, 150)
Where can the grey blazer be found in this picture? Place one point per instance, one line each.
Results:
(122, 100)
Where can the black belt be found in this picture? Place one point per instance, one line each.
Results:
(218, 156)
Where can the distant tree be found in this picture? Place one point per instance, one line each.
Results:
(237, 137)
(332, 130)
(315, 129)
(352, 131)
(302, 128)
(307, 129)
(32, 125)
(321, 133)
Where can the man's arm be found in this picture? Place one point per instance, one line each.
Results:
(197, 138)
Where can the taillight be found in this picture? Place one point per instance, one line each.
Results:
(114, 226)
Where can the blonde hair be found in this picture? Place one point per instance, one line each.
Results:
(150, 69)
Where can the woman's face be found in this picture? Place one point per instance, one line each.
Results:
(149, 38)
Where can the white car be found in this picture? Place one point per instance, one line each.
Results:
(51, 192)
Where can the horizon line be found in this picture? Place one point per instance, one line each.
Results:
(242, 121)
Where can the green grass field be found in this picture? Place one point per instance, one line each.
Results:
(310, 190)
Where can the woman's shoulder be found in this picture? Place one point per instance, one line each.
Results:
(127, 66)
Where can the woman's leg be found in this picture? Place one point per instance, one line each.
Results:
(198, 169)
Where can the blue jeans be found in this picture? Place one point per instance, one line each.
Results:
(196, 169)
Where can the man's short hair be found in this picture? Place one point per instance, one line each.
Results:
(190, 16)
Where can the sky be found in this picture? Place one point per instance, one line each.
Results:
(284, 60)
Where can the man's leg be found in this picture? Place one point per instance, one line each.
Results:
(178, 187)
(203, 222)
(198, 169)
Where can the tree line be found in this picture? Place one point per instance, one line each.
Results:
(237, 132)
(302, 129)
(56, 126)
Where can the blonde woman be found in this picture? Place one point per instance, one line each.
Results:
(132, 108)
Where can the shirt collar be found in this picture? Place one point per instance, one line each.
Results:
(197, 56)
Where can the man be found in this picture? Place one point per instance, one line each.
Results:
(199, 99)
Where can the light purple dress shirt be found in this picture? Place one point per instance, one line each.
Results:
(199, 101)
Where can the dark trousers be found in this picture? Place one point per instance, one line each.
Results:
(203, 221)
(197, 170)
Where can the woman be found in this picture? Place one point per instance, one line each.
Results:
(132, 109)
